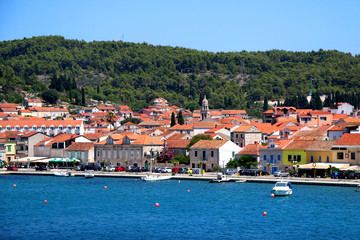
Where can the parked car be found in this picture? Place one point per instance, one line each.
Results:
(334, 175)
(166, 170)
(135, 169)
(175, 169)
(111, 168)
(281, 174)
(183, 170)
(41, 168)
(259, 172)
(144, 169)
(245, 172)
(129, 168)
(354, 175)
(343, 175)
(156, 169)
(12, 168)
(119, 169)
(196, 171)
(228, 171)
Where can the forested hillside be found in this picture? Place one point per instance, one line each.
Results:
(135, 74)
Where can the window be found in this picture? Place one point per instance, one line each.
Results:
(8, 128)
(289, 157)
(319, 158)
(204, 155)
(132, 154)
(76, 154)
(98, 153)
(17, 128)
(137, 154)
(272, 159)
(212, 154)
(311, 158)
(69, 155)
(120, 154)
(60, 128)
(115, 153)
(233, 154)
(9, 148)
(195, 153)
(69, 127)
(340, 155)
(77, 128)
(352, 156)
(322, 118)
(236, 135)
(52, 128)
(26, 128)
(103, 153)
(82, 155)
(279, 157)
(109, 154)
(327, 159)
(298, 158)
(265, 158)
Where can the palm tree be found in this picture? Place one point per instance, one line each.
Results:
(110, 118)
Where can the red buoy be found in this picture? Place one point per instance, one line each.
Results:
(45, 201)
(105, 187)
(264, 213)
(157, 205)
(272, 195)
(14, 185)
(188, 190)
(135, 179)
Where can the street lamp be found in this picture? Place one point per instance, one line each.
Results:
(314, 165)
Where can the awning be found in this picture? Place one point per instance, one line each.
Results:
(341, 166)
(353, 168)
(58, 160)
(27, 159)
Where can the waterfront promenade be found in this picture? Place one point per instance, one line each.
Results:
(196, 177)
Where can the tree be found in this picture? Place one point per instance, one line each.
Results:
(50, 96)
(182, 159)
(173, 120)
(197, 138)
(82, 96)
(266, 104)
(167, 155)
(132, 120)
(110, 118)
(180, 118)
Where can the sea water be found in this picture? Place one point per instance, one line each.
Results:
(79, 208)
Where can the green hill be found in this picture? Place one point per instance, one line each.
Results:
(135, 74)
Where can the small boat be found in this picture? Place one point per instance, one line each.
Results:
(89, 174)
(60, 174)
(63, 174)
(282, 188)
(155, 177)
(220, 178)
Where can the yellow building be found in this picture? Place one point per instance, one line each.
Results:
(320, 151)
(347, 149)
(10, 151)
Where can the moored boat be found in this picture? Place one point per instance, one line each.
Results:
(282, 188)
(60, 174)
(155, 177)
(89, 174)
(220, 178)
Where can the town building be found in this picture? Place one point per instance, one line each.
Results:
(84, 151)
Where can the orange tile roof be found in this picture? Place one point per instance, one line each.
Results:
(182, 143)
(266, 127)
(250, 149)
(242, 128)
(351, 120)
(281, 143)
(146, 140)
(93, 136)
(268, 111)
(299, 144)
(321, 145)
(80, 146)
(348, 139)
(204, 124)
(177, 136)
(209, 144)
(233, 112)
(47, 109)
(339, 116)
(32, 122)
(182, 127)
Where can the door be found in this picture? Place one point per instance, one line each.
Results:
(274, 169)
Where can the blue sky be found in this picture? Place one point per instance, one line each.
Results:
(217, 26)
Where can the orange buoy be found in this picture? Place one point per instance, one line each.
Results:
(264, 213)
(199, 182)
(105, 187)
(188, 190)
(45, 201)
(14, 185)
(272, 195)
(157, 205)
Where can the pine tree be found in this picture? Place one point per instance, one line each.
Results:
(180, 118)
(83, 96)
(173, 120)
(266, 104)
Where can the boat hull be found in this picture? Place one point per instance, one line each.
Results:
(281, 192)
(155, 178)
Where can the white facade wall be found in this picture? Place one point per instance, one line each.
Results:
(227, 152)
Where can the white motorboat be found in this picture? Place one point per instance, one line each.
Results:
(282, 188)
(220, 178)
(60, 174)
(155, 177)
(63, 174)
(89, 174)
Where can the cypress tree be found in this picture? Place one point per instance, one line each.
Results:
(173, 120)
(266, 104)
(180, 118)
(82, 96)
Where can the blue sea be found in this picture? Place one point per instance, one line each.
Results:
(79, 208)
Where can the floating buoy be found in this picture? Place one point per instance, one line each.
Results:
(105, 187)
(45, 201)
(199, 182)
(272, 195)
(188, 190)
(14, 185)
(135, 179)
(264, 213)
(157, 205)
(179, 181)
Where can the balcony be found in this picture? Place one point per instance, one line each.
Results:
(21, 152)
(22, 143)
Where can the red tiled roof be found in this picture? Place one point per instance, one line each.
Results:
(204, 125)
(348, 139)
(39, 122)
(80, 146)
(250, 149)
(209, 144)
(299, 144)
(182, 143)
(182, 127)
